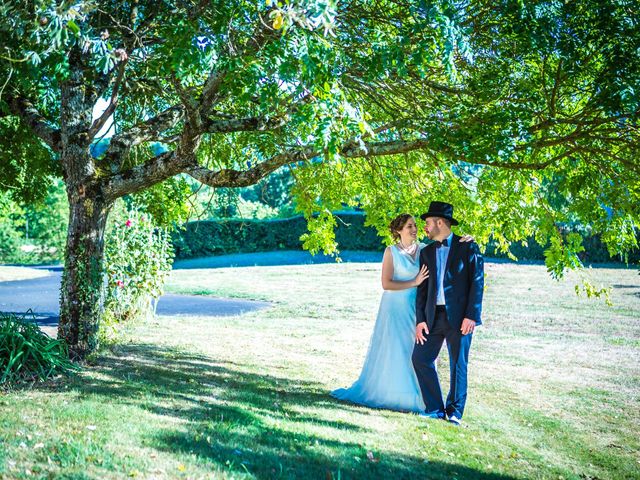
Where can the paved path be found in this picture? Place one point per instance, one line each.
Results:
(41, 295)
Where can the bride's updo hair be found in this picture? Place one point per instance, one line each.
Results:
(398, 224)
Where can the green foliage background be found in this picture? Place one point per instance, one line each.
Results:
(527, 112)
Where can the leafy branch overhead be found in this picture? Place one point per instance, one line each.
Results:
(524, 117)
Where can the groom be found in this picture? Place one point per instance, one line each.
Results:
(448, 307)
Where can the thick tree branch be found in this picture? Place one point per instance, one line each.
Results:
(172, 163)
(211, 86)
(153, 171)
(242, 124)
(23, 108)
(113, 103)
(554, 91)
(210, 89)
(194, 110)
(241, 178)
(375, 149)
(188, 102)
(142, 132)
(264, 123)
(238, 178)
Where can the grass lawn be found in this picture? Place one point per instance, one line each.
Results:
(554, 388)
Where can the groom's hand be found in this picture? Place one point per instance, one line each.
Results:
(467, 326)
(421, 331)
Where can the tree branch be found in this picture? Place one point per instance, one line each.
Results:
(238, 178)
(251, 124)
(231, 178)
(210, 89)
(142, 132)
(153, 171)
(522, 165)
(376, 149)
(113, 103)
(578, 121)
(554, 91)
(172, 163)
(212, 85)
(23, 108)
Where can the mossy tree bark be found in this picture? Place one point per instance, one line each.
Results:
(82, 293)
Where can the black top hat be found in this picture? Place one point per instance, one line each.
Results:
(442, 210)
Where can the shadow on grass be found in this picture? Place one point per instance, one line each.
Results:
(266, 426)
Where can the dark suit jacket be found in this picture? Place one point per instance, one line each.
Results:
(463, 284)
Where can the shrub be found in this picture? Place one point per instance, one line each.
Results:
(138, 258)
(27, 354)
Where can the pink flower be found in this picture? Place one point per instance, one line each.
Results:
(128, 223)
(120, 283)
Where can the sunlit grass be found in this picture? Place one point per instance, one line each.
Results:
(554, 388)
(9, 274)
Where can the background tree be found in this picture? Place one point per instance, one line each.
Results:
(9, 236)
(523, 114)
(274, 191)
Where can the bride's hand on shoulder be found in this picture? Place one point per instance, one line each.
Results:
(423, 274)
(467, 238)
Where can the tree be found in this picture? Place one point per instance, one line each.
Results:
(10, 238)
(274, 191)
(45, 222)
(523, 114)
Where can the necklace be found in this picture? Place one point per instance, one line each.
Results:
(410, 250)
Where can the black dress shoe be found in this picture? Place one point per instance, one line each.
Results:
(454, 420)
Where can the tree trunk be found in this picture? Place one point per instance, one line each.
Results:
(82, 293)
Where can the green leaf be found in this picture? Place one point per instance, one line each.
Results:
(73, 26)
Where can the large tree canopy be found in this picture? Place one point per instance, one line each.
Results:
(522, 114)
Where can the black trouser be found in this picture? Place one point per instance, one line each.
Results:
(424, 357)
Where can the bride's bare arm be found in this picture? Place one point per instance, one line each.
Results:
(387, 274)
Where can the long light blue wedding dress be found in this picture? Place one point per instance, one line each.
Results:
(387, 379)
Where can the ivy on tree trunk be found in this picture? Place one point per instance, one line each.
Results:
(82, 292)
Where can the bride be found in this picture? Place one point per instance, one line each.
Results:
(387, 379)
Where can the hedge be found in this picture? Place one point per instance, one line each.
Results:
(219, 237)
(594, 252)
